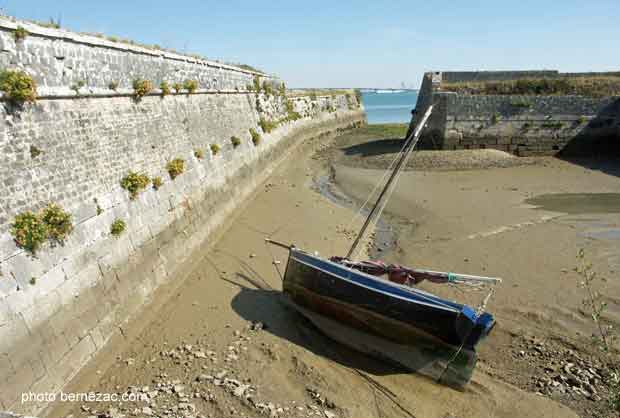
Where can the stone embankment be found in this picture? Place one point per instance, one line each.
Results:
(522, 124)
(138, 183)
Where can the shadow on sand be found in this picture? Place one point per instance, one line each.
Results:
(266, 305)
(256, 303)
(375, 147)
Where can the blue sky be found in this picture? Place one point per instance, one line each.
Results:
(342, 43)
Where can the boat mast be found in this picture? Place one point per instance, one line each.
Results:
(410, 144)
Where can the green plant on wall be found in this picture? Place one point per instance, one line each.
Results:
(34, 152)
(199, 153)
(282, 89)
(118, 227)
(268, 88)
(165, 88)
(291, 114)
(157, 182)
(175, 167)
(215, 148)
(495, 118)
(18, 86)
(28, 231)
(267, 126)
(141, 88)
(582, 119)
(256, 82)
(235, 141)
(57, 222)
(134, 183)
(20, 34)
(553, 125)
(177, 87)
(113, 85)
(77, 86)
(190, 85)
(255, 136)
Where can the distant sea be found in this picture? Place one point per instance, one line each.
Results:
(389, 107)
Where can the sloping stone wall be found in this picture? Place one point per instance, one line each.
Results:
(58, 59)
(59, 306)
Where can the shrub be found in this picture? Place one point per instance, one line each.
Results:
(28, 231)
(249, 87)
(142, 87)
(113, 85)
(33, 280)
(157, 182)
(267, 126)
(256, 82)
(77, 86)
(18, 86)
(582, 119)
(235, 141)
(134, 183)
(99, 208)
(267, 88)
(177, 87)
(34, 151)
(255, 136)
(214, 148)
(553, 125)
(57, 222)
(282, 89)
(199, 153)
(118, 227)
(190, 85)
(165, 88)
(290, 110)
(175, 167)
(20, 34)
(521, 103)
(494, 118)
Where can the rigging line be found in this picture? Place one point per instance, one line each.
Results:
(377, 184)
(273, 261)
(385, 391)
(411, 141)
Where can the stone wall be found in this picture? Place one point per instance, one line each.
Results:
(58, 59)
(524, 125)
(59, 306)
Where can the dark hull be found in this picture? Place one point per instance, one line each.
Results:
(414, 329)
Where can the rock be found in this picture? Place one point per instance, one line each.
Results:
(147, 411)
(329, 414)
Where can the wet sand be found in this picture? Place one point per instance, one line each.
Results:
(471, 221)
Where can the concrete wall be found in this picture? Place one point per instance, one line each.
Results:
(524, 125)
(60, 306)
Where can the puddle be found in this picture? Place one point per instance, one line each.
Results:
(577, 203)
(385, 236)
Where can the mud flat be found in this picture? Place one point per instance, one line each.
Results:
(222, 345)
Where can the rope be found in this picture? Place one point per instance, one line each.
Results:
(376, 187)
(273, 261)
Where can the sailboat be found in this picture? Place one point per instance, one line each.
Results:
(380, 310)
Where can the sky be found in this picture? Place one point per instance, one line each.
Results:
(342, 43)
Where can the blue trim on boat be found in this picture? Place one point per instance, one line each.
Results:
(381, 285)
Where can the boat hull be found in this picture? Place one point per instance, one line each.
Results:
(382, 319)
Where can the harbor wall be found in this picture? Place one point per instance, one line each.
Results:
(60, 305)
(520, 124)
